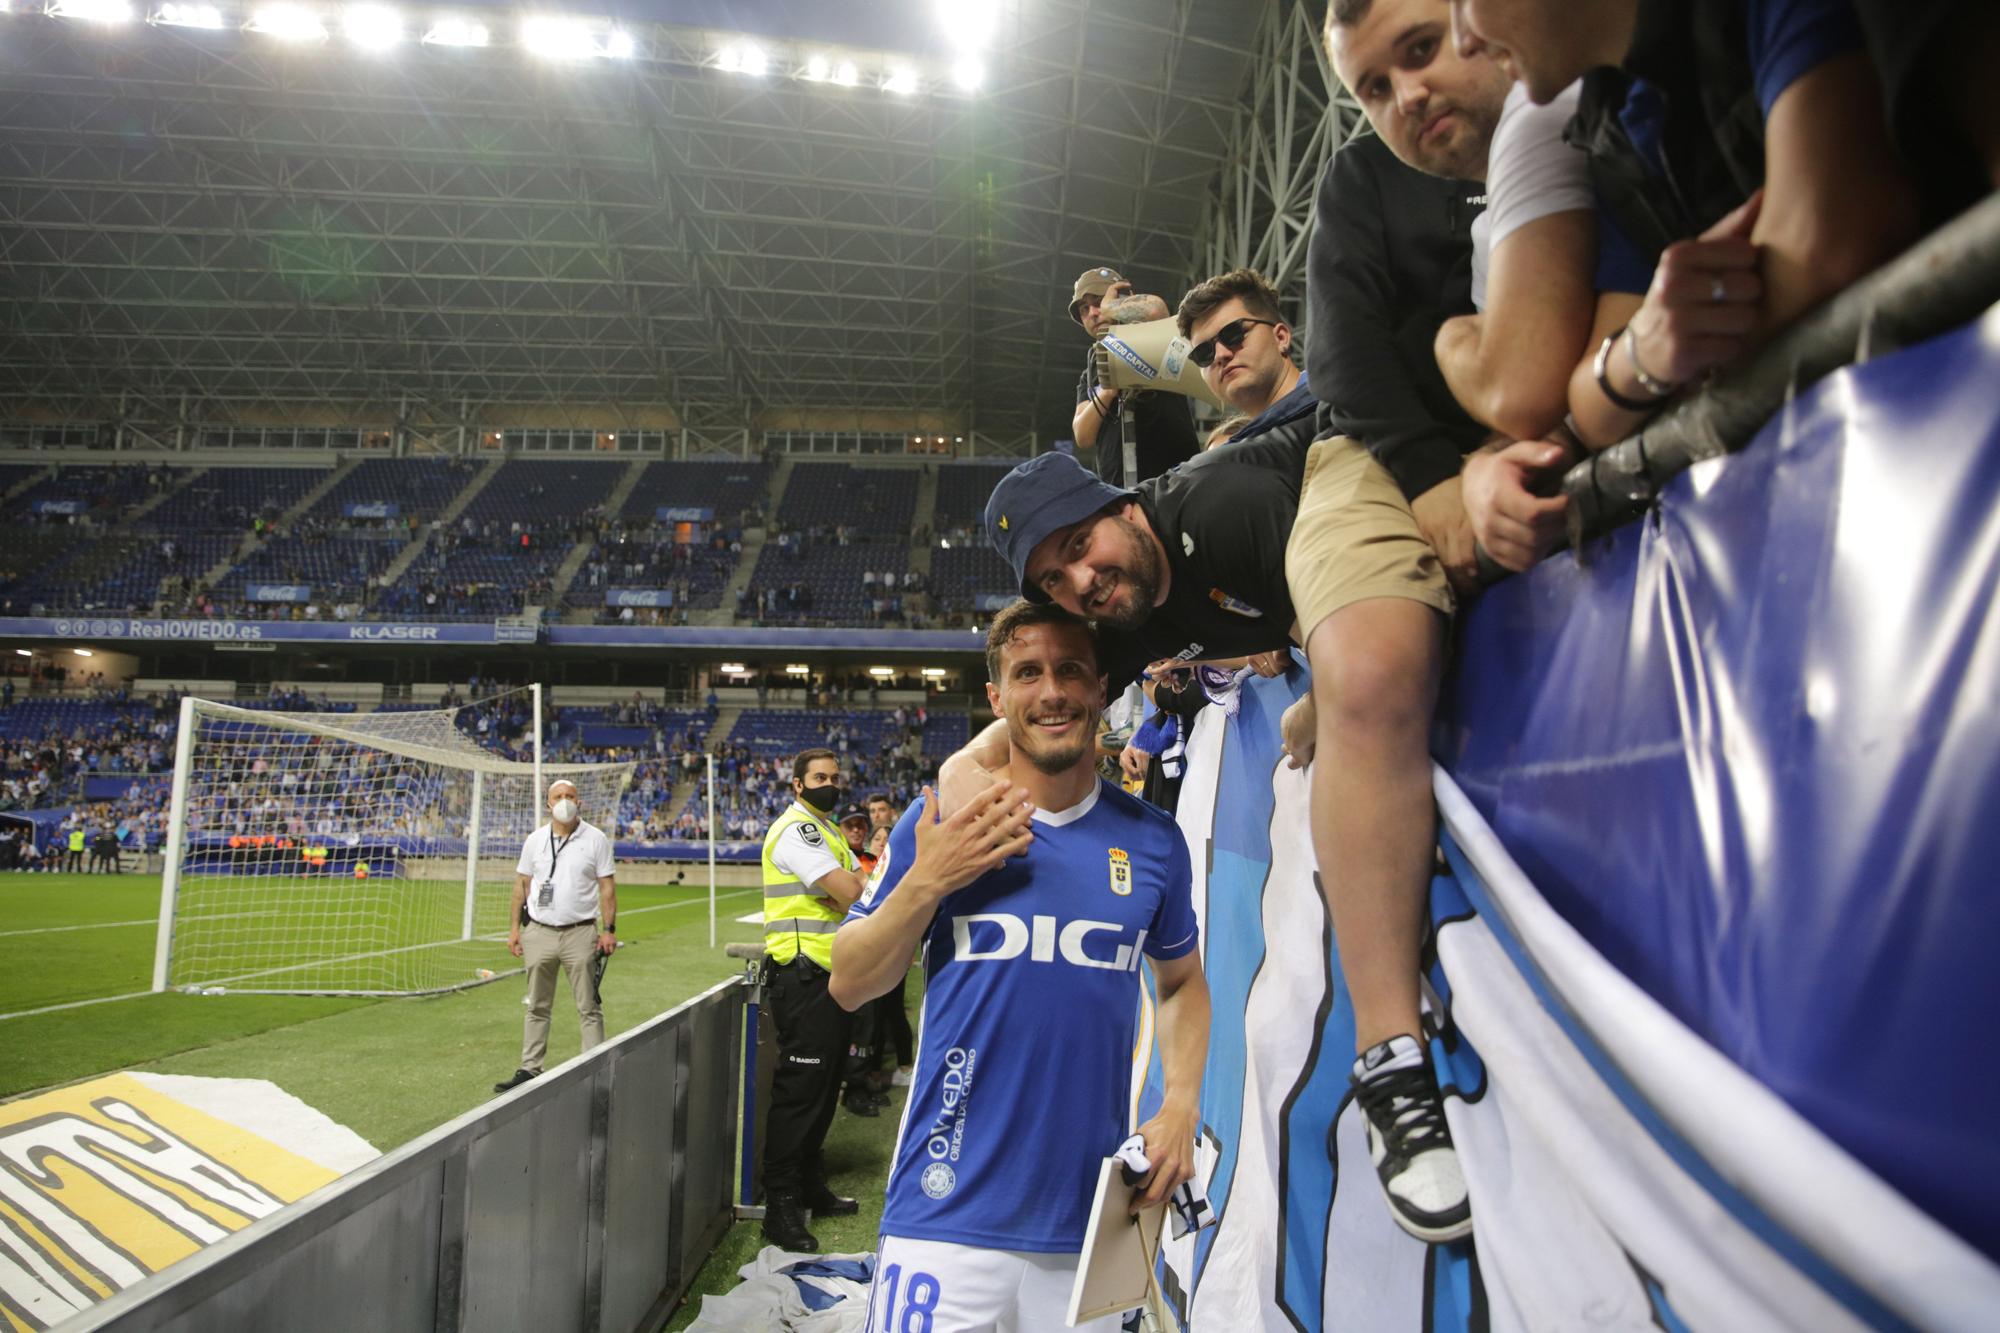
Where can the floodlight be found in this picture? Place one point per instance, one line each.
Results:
(732, 668)
(23, 652)
(845, 74)
(968, 24)
(744, 58)
(376, 27)
(881, 673)
(900, 81)
(83, 652)
(91, 11)
(968, 74)
(798, 669)
(817, 69)
(933, 673)
(559, 38)
(188, 16)
(457, 32)
(618, 44)
(287, 22)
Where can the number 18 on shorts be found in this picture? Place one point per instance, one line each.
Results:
(931, 1286)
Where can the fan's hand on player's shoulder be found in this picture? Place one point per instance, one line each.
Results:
(977, 837)
(1169, 1140)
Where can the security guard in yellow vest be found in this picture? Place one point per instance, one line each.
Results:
(75, 861)
(811, 878)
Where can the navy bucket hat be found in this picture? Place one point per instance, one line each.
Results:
(1045, 493)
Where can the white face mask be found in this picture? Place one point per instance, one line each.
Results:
(565, 810)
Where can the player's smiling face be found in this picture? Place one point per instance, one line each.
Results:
(1050, 694)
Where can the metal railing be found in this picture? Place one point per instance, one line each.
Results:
(585, 1200)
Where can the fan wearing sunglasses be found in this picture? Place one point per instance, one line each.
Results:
(1243, 346)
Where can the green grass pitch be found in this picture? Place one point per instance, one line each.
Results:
(389, 1069)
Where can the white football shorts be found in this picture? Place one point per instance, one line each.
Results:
(934, 1286)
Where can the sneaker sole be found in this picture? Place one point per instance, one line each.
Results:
(1439, 1234)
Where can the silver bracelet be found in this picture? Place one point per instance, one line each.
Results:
(1658, 388)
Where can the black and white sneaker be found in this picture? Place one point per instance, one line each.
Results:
(1409, 1141)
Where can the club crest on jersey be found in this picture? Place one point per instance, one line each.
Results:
(938, 1180)
(1121, 872)
(1235, 606)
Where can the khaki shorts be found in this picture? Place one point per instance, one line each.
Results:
(1355, 538)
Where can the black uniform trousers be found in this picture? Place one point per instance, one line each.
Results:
(805, 1087)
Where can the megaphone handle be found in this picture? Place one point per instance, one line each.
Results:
(1128, 439)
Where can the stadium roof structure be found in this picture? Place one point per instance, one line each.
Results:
(732, 227)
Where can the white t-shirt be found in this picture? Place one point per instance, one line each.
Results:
(805, 851)
(1530, 173)
(563, 873)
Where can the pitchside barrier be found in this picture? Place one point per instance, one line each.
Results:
(585, 1200)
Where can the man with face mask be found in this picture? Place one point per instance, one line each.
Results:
(564, 884)
(811, 877)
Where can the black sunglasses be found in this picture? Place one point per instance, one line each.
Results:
(1230, 335)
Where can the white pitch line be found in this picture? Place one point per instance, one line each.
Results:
(149, 921)
(95, 925)
(73, 1004)
(141, 994)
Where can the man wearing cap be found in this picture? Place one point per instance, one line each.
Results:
(1226, 556)
(563, 885)
(1163, 422)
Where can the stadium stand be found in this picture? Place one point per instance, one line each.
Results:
(99, 492)
(502, 552)
(419, 487)
(827, 496)
(234, 498)
(822, 582)
(737, 490)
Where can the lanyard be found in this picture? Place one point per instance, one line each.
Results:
(555, 852)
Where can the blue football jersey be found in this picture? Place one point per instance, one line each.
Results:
(1030, 1016)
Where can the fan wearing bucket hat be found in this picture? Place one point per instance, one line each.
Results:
(1100, 300)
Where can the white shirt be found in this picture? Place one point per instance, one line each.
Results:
(805, 851)
(1530, 173)
(563, 872)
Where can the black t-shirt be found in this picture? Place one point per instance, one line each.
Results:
(1165, 423)
(1224, 518)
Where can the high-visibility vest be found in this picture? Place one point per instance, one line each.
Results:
(795, 920)
(76, 840)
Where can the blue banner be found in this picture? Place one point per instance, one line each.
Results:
(372, 509)
(638, 596)
(62, 506)
(683, 514)
(277, 592)
(241, 631)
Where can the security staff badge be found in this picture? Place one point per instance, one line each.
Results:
(1121, 872)
(1233, 605)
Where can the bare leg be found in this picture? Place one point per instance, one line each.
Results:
(1375, 669)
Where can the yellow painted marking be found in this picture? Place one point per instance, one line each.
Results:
(108, 1181)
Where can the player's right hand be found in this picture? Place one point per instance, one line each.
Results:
(514, 943)
(977, 837)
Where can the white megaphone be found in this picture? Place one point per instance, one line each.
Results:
(1153, 355)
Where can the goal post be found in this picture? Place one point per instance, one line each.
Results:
(350, 854)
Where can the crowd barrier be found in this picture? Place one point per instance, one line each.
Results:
(585, 1200)
(1713, 955)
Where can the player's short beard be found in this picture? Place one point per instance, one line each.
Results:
(1140, 573)
(1059, 759)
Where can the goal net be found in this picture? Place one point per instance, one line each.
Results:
(351, 854)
